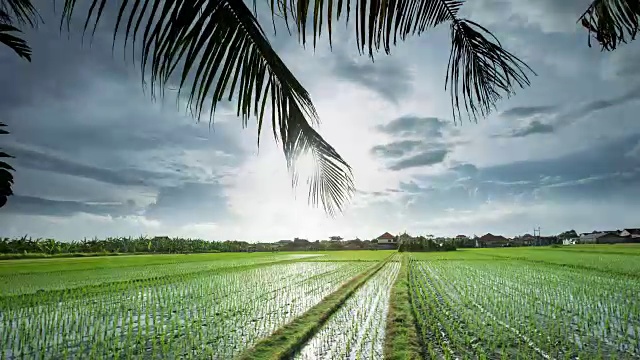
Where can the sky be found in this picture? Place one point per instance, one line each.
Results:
(96, 156)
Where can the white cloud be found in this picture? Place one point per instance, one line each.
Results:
(549, 16)
(107, 123)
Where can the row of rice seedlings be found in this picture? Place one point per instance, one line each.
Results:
(580, 259)
(30, 282)
(566, 313)
(451, 330)
(356, 330)
(570, 324)
(478, 331)
(212, 316)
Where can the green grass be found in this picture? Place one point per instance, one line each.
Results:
(285, 341)
(401, 341)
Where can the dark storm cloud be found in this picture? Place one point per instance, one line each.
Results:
(557, 117)
(424, 142)
(598, 105)
(79, 112)
(407, 126)
(528, 111)
(386, 77)
(189, 203)
(30, 205)
(625, 63)
(465, 169)
(40, 161)
(532, 128)
(598, 160)
(600, 172)
(427, 158)
(397, 149)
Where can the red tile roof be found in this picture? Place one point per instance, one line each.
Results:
(386, 236)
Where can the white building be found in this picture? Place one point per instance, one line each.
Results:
(631, 233)
(386, 240)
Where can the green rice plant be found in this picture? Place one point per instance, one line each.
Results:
(520, 307)
(356, 330)
(182, 316)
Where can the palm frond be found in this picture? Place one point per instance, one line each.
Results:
(303, 138)
(20, 12)
(612, 22)
(480, 69)
(379, 23)
(218, 50)
(13, 42)
(6, 178)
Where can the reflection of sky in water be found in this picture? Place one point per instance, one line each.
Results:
(356, 330)
(303, 256)
(213, 316)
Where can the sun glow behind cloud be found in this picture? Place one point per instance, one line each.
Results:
(125, 165)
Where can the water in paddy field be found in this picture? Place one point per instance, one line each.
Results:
(357, 329)
(212, 316)
(303, 256)
(530, 311)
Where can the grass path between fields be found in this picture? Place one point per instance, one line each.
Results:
(401, 338)
(284, 342)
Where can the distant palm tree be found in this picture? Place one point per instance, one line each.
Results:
(219, 50)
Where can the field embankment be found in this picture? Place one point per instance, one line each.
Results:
(289, 339)
(401, 341)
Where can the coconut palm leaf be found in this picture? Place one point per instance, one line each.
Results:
(20, 12)
(13, 42)
(15, 13)
(612, 22)
(6, 178)
(479, 68)
(218, 50)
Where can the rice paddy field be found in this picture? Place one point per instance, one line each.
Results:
(574, 302)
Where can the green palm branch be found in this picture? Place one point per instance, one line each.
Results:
(6, 178)
(612, 22)
(219, 51)
(14, 14)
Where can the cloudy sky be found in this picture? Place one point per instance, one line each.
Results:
(95, 156)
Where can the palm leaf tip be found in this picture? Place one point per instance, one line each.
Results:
(6, 178)
(18, 45)
(612, 22)
(331, 184)
(378, 24)
(220, 52)
(481, 70)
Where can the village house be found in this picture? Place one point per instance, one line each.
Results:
(630, 233)
(524, 240)
(387, 241)
(299, 241)
(602, 237)
(490, 240)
